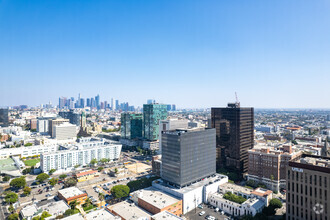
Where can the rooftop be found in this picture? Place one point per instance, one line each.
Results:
(262, 192)
(70, 192)
(165, 215)
(29, 210)
(156, 197)
(206, 181)
(77, 216)
(89, 172)
(55, 208)
(236, 188)
(129, 211)
(101, 214)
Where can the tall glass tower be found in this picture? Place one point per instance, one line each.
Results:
(152, 114)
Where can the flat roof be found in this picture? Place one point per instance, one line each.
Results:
(53, 208)
(29, 210)
(71, 192)
(236, 188)
(156, 197)
(129, 211)
(77, 216)
(101, 214)
(206, 181)
(165, 215)
(86, 173)
(262, 192)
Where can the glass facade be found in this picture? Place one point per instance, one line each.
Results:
(131, 125)
(152, 114)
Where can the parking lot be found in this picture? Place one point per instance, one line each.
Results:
(194, 214)
(40, 192)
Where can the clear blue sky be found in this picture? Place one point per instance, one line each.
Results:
(191, 53)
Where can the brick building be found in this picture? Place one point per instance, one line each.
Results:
(72, 193)
(267, 165)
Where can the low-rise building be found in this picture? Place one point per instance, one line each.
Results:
(165, 215)
(156, 201)
(24, 152)
(72, 193)
(86, 175)
(53, 208)
(129, 211)
(101, 214)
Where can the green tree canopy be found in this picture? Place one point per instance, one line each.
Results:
(18, 182)
(5, 178)
(27, 190)
(51, 171)
(70, 182)
(42, 177)
(93, 161)
(11, 197)
(53, 181)
(63, 176)
(120, 191)
(276, 203)
(100, 169)
(13, 217)
(26, 171)
(234, 198)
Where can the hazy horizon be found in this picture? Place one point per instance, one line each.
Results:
(195, 54)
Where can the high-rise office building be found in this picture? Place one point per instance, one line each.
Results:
(234, 135)
(308, 188)
(97, 101)
(169, 107)
(74, 118)
(88, 100)
(62, 102)
(188, 155)
(4, 119)
(111, 104)
(173, 108)
(92, 103)
(117, 105)
(131, 125)
(152, 114)
(151, 101)
(82, 103)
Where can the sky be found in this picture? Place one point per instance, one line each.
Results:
(192, 53)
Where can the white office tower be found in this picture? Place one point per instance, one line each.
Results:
(170, 124)
(65, 131)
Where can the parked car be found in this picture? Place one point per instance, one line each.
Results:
(200, 206)
(216, 209)
(201, 213)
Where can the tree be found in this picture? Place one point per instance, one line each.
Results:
(100, 169)
(63, 176)
(69, 212)
(28, 144)
(5, 178)
(26, 171)
(101, 196)
(13, 217)
(116, 170)
(19, 182)
(93, 162)
(51, 171)
(42, 177)
(11, 208)
(44, 215)
(276, 203)
(120, 191)
(27, 190)
(11, 197)
(104, 160)
(70, 182)
(53, 181)
(73, 204)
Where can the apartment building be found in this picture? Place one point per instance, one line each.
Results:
(267, 165)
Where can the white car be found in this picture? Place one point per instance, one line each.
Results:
(216, 209)
(201, 213)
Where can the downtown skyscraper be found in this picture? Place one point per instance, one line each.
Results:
(234, 136)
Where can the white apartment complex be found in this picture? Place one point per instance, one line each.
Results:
(27, 151)
(67, 159)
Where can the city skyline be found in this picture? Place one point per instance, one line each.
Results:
(192, 53)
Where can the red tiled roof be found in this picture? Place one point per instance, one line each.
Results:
(86, 173)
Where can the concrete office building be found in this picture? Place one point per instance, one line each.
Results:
(152, 114)
(170, 124)
(131, 125)
(308, 188)
(54, 122)
(4, 117)
(64, 131)
(268, 165)
(188, 155)
(234, 135)
(79, 155)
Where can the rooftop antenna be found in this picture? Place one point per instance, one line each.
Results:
(237, 102)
